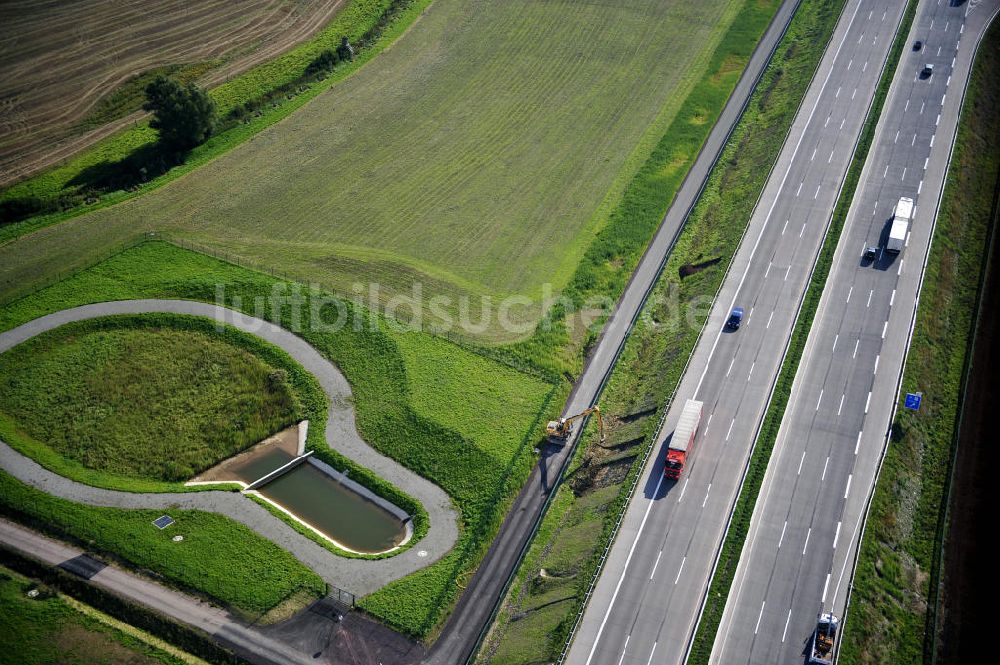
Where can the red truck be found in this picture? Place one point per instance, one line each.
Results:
(683, 439)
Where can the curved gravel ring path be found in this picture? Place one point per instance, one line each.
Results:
(359, 576)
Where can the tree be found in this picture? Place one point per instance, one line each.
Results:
(183, 115)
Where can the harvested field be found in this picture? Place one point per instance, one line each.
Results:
(59, 60)
(477, 156)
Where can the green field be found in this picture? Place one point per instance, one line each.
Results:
(138, 398)
(476, 156)
(470, 435)
(49, 629)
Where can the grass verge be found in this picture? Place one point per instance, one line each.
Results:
(51, 628)
(655, 355)
(442, 439)
(898, 569)
(740, 522)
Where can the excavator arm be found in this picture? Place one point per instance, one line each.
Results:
(558, 431)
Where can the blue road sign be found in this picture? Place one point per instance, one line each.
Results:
(913, 401)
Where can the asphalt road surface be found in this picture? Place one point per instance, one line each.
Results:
(475, 608)
(800, 552)
(646, 604)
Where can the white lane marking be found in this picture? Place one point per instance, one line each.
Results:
(826, 586)
(820, 399)
(707, 424)
(830, 158)
(892, 298)
(817, 192)
(913, 141)
(801, 460)
(926, 159)
(938, 121)
(797, 191)
(906, 107)
(857, 445)
(768, 271)
(855, 93)
(730, 366)
(870, 294)
(786, 226)
(837, 94)
(781, 539)
(790, 267)
(750, 373)
(849, 292)
(856, 343)
(730, 430)
(842, 121)
(884, 14)
(849, 64)
(868, 401)
(874, 208)
(947, 23)
(835, 338)
(648, 662)
(807, 541)
(836, 536)
(759, 616)
(945, 95)
(826, 464)
(622, 659)
(768, 325)
(886, 172)
(680, 570)
(920, 186)
(813, 156)
(897, 137)
(899, 271)
(802, 230)
(709, 490)
(657, 563)
(885, 326)
(827, 120)
(785, 631)
(841, 407)
(875, 371)
(848, 489)
(683, 489)
(921, 108)
(903, 177)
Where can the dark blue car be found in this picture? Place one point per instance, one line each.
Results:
(735, 319)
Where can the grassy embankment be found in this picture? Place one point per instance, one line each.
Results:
(158, 398)
(403, 188)
(898, 568)
(52, 628)
(441, 435)
(540, 609)
(371, 25)
(740, 523)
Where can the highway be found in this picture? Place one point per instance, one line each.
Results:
(799, 556)
(646, 603)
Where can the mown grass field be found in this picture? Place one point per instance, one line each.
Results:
(453, 159)
(439, 435)
(50, 629)
(139, 398)
(63, 61)
(895, 584)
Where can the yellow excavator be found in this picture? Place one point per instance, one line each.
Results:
(558, 431)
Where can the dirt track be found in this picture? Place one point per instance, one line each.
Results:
(57, 60)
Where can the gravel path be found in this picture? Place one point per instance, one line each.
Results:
(358, 576)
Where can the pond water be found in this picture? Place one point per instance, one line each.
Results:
(342, 514)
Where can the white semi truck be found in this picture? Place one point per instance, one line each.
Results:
(900, 225)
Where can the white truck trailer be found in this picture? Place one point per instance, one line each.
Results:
(900, 225)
